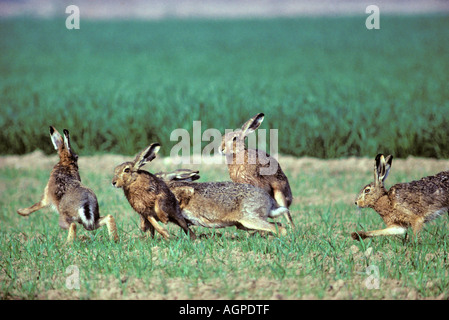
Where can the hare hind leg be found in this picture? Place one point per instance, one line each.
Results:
(166, 211)
(72, 233)
(262, 225)
(180, 221)
(109, 221)
(392, 230)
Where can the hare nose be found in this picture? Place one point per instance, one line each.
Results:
(114, 183)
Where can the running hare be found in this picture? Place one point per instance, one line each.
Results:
(74, 202)
(406, 204)
(223, 204)
(254, 166)
(148, 195)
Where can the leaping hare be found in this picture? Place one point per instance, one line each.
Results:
(148, 195)
(223, 204)
(406, 204)
(248, 165)
(74, 202)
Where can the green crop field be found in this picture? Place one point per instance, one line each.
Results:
(330, 86)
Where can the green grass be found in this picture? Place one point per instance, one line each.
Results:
(331, 87)
(317, 260)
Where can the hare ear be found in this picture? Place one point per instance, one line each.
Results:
(382, 168)
(378, 168)
(146, 155)
(388, 162)
(252, 124)
(179, 175)
(56, 138)
(67, 140)
(186, 175)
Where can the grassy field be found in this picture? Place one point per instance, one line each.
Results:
(120, 84)
(318, 260)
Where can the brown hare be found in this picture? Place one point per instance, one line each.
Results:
(148, 195)
(253, 166)
(223, 204)
(74, 202)
(405, 204)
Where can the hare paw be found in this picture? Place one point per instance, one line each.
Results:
(358, 235)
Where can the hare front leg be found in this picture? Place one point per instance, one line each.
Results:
(392, 230)
(281, 201)
(145, 225)
(109, 221)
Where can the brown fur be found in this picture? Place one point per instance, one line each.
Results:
(223, 204)
(148, 195)
(249, 170)
(406, 204)
(68, 195)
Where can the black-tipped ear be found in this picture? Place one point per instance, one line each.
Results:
(146, 155)
(252, 124)
(388, 162)
(377, 168)
(382, 168)
(56, 138)
(179, 175)
(67, 140)
(186, 175)
(378, 157)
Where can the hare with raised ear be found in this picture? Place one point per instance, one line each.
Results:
(404, 205)
(148, 195)
(223, 204)
(74, 202)
(254, 166)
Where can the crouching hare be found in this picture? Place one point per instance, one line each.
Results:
(254, 166)
(74, 202)
(148, 195)
(223, 204)
(404, 205)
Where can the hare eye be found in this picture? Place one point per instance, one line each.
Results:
(126, 170)
(367, 190)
